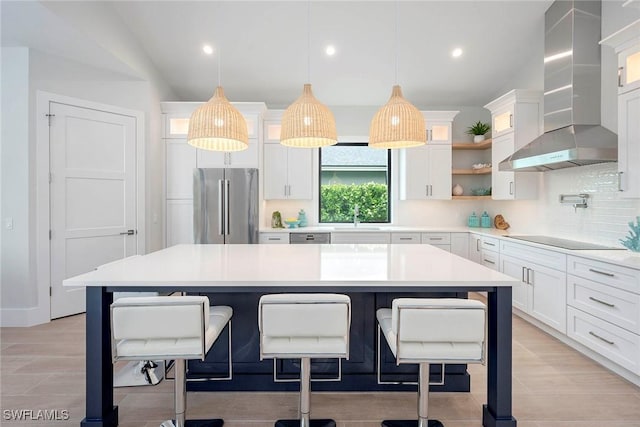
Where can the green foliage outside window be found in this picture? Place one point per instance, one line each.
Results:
(338, 200)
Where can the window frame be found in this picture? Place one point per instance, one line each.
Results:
(389, 178)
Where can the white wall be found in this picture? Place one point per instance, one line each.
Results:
(15, 201)
(43, 72)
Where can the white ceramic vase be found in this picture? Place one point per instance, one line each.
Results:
(457, 190)
(478, 138)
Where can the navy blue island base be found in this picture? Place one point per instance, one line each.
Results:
(101, 411)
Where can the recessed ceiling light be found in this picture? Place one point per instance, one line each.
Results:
(330, 50)
(456, 52)
(207, 49)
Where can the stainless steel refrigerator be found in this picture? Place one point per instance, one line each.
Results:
(225, 205)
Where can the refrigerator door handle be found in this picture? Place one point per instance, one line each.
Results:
(220, 207)
(226, 207)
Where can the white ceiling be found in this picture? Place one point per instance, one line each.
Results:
(263, 46)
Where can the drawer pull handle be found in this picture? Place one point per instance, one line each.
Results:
(604, 273)
(488, 244)
(600, 338)
(490, 262)
(275, 238)
(435, 238)
(406, 238)
(602, 302)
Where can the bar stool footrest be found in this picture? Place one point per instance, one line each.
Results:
(409, 423)
(195, 423)
(313, 423)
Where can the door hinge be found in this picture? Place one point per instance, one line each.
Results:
(50, 291)
(50, 177)
(49, 117)
(50, 234)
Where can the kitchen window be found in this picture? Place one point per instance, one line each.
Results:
(353, 174)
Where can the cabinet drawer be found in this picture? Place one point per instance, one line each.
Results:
(491, 260)
(611, 304)
(614, 343)
(624, 278)
(436, 238)
(530, 253)
(360, 237)
(274, 238)
(490, 244)
(405, 237)
(443, 247)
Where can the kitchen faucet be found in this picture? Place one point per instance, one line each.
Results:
(356, 212)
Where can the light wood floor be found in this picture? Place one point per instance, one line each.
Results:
(42, 367)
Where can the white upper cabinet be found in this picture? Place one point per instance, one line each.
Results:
(516, 119)
(626, 43)
(181, 160)
(629, 143)
(425, 171)
(287, 172)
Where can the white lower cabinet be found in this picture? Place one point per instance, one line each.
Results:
(475, 248)
(616, 344)
(460, 244)
(604, 309)
(410, 238)
(360, 237)
(179, 227)
(541, 292)
(273, 238)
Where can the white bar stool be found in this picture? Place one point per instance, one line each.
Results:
(304, 326)
(168, 327)
(426, 330)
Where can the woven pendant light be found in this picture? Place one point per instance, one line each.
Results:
(308, 123)
(398, 124)
(218, 126)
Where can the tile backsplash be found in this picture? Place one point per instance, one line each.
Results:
(604, 221)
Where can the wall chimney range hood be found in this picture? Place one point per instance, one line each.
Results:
(572, 132)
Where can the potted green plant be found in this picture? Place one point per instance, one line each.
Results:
(478, 130)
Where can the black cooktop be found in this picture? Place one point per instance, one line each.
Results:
(564, 243)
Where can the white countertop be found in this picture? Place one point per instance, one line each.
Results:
(313, 265)
(622, 257)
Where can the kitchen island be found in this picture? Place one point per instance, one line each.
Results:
(258, 269)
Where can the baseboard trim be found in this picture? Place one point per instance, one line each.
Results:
(23, 317)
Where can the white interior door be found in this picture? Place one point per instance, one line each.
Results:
(92, 196)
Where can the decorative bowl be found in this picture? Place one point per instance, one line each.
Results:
(291, 223)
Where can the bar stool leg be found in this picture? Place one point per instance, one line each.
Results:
(180, 391)
(305, 391)
(305, 402)
(423, 395)
(423, 404)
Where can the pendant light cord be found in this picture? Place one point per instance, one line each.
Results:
(309, 41)
(219, 67)
(397, 39)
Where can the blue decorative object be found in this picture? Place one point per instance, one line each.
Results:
(473, 220)
(302, 217)
(292, 224)
(633, 239)
(485, 220)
